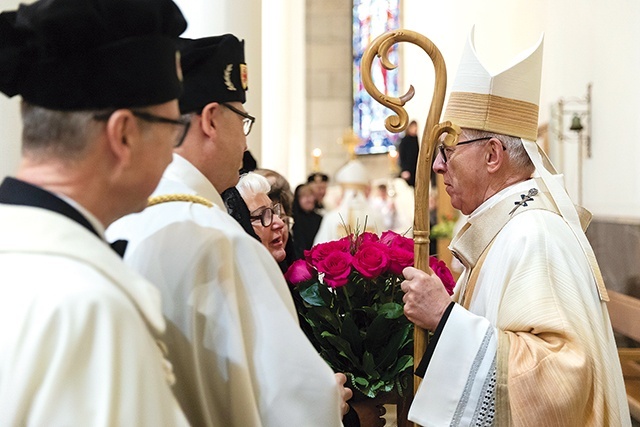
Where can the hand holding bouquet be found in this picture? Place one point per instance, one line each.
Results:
(347, 294)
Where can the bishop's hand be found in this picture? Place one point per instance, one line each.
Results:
(425, 298)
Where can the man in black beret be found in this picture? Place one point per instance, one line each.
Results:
(234, 330)
(79, 330)
(319, 183)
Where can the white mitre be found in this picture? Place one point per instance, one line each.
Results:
(507, 103)
(354, 173)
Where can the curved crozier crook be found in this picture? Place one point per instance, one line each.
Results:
(453, 133)
(394, 123)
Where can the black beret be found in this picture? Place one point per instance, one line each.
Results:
(214, 71)
(91, 54)
(317, 177)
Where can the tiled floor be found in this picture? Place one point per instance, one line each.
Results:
(390, 416)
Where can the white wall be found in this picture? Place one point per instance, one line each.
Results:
(586, 41)
(10, 124)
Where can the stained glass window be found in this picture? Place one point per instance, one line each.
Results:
(370, 19)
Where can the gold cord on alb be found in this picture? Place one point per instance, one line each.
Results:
(192, 198)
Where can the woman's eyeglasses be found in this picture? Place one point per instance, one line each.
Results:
(266, 215)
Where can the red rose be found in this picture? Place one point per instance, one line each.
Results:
(371, 259)
(336, 268)
(322, 250)
(393, 239)
(442, 271)
(399, 259)
(367, 237)
(388, 236)
(299, 271)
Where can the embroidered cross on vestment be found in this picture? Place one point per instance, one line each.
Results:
(524, 199)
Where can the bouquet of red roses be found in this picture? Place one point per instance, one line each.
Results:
(348, 297)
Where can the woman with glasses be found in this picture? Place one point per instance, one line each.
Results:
(268, 218)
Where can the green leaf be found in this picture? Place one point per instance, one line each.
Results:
(342, 346)
(351, 333)
(310, 293)
(403, 363)
(324, 316)
(363, 382)
(369, 366)
(391, 310)
(378, 333)
(327, 295)
(390, 352)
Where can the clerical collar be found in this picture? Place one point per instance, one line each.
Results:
(493, 200)
(16, 192)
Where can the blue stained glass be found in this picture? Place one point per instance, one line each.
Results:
(370, 19)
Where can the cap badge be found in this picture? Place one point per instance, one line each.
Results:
(227, 78)
(244, 77)
(178, 66)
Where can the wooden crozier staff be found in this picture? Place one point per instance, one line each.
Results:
(431, 134)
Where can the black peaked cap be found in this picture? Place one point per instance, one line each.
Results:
(91, 54)
(214, 71)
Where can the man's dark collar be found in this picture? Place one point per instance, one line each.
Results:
(16, 192)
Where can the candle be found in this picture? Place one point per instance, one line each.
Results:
(393, 160)
(316, 159)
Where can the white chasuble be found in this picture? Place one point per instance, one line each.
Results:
(78, 342)
(239, 354)
(535, 343)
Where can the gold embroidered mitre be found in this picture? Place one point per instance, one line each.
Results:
(504, 103)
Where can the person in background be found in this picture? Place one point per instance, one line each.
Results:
(381, 202)
(280, 191)
(80, 334)
(319, 182)
(408, 153)
(233, 334)
(354, 214)
(249, 163)
(306, 221)
(528, 330)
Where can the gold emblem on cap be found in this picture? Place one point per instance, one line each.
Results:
(178, 66)
(244, 77)
(227, 77)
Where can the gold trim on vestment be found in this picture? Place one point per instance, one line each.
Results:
(493, 113)
(192, 198)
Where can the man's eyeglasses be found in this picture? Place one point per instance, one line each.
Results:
(152, 118)
(443, 149)
(247, 121)
(266, 215)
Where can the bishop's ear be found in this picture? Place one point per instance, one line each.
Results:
(495, 154)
